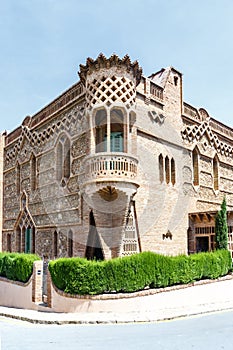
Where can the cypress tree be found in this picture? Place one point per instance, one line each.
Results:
(221, 228)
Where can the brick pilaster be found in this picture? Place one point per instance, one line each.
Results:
(49, 290)
(37, 282)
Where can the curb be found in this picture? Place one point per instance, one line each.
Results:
(113, 320)
(160, 314)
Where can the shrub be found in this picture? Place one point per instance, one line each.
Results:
(16, 266)
(221, 229)
(136, 272)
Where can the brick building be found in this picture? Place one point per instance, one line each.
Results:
(117, 164)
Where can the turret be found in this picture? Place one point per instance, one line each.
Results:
(110, 179)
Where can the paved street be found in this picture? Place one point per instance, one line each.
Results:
(213, 331)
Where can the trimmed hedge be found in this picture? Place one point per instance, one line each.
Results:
(136, 272)
(17, 266)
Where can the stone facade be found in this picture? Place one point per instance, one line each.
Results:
(117, 164)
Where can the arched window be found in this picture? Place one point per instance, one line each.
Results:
(33, 235)
(18, 239)
(25, 230)
(195, 167)
(55, 244)
(63, 158)
(70, 244)
(23, 237)
(59, 161)
(110, 133)
(118, 132)
(18, 178)
(28, 240)
(101, 131)
(173, 172)
(33, 172)
(215, 173)
(161, 169)
(167, 170)
(67, 158)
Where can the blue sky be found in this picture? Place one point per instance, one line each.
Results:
(44, 41)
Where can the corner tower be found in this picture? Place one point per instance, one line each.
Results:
(110, 179)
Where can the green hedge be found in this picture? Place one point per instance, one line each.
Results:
(17, 266)
(133, 273)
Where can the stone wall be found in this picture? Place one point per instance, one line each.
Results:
(2, 144)
(51, 204)
(162, 208)
(23, 295)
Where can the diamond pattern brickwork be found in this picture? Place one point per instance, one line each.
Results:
(109, 90)
(196, 132)
(39, 138)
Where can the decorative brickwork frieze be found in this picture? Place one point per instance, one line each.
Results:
(195, 133)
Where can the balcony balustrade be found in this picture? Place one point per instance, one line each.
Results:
(105, 167)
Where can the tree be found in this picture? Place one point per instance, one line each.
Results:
(221, 228)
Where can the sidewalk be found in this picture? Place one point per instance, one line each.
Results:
(182, 302)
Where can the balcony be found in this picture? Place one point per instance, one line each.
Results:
(110, 166)
(110, 169)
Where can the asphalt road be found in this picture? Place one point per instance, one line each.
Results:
(213, 331)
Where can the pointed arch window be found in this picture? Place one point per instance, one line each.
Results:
(33, 173)
(66, 171)
(23, 239)
(118, 132)
(18, 178)
(63, 158)
(173, 172)
(59, 161)
(216, 173)
(110, 131)
(18, 239)
(33, 239)
(25, 234)
(195, 167)
(167, 170)
(101, 131)
(70, 244)
(55, 244)
(161, 168)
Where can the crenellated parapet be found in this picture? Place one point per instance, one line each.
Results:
(112, 62)
(110, 81)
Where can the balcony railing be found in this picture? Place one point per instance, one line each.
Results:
(156, 91)
(110, 166)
